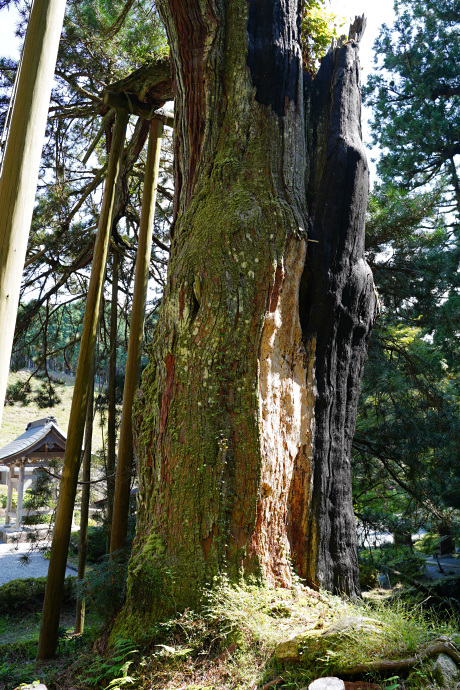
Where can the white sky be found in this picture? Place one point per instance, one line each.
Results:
(9, 43)
(376, 11)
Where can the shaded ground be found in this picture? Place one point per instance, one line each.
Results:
(449, 564)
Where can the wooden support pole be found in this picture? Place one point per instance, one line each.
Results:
(21, 163)
(20, 494)
(56, 573)
(136, 331)
(84, 506)
(112, 407)
(9, 495)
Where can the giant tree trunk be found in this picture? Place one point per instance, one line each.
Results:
(248, 406)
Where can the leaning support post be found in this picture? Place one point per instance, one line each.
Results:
(84, 508)
(125, 446)
(21, 163)
(112, 407)
(20, 498)
(55, 582)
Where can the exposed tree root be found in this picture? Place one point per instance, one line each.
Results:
(443, 645)
(272, 684)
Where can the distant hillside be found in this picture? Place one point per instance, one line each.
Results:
(16, 416)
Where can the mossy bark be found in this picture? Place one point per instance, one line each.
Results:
(231, 419)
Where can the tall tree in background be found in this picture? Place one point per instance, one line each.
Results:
(415, 94)
(408, 431)
(247, 409)
(415, 97)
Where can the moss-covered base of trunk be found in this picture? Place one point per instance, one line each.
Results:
(247, 636)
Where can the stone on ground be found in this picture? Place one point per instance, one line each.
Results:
(445, 671)
(327, 684)
(354, 623)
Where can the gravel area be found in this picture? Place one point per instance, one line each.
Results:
(12, 568)
(449, 564)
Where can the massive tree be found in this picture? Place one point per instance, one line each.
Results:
(247, 410)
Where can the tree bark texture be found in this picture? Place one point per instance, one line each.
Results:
(247, 408)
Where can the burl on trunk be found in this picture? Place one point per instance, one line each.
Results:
(248, 406)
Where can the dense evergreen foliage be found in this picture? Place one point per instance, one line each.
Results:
(408, 435)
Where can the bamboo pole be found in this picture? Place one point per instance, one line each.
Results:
(84, 507)
(55, 582)
(136, 330)
(21, 163)
(112, 407)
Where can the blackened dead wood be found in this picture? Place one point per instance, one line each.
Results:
(337, 307)
(270, 53)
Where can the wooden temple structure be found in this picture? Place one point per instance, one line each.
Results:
(42, 441)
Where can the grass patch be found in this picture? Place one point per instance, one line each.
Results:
(19, 633)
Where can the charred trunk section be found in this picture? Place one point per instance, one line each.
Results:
(337, 306)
